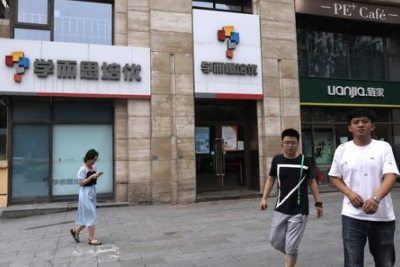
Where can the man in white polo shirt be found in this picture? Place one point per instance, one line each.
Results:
(365, 171)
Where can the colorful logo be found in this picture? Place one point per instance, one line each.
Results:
(23, 64)
(233, 39)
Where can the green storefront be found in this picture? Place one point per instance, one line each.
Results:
(348, 56)
(324, 105)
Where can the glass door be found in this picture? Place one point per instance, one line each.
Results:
(220, 157)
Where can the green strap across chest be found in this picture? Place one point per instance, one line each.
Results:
(301, 175)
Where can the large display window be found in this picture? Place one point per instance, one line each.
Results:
(50, 137)
(70, 143)
(325, 128)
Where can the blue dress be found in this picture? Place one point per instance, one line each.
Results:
(86, 214)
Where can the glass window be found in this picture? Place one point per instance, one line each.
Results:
(82, 22)
(83, 111)
(396, 141)
(229, 5)
(30, 162)
(396, 115)
(366, 58)
(31, 34)
(31, 111)
(219, 113)
(336, 50)
(393, 43)
(3, 130)
(306, 139)
(70, 143)
(302, 57)
(381, 132)
(33, 11)
(328, 54)
(339, 114)
(203, 4)
(244, 6)
(394, 68)
(330, 115)
(305, 114)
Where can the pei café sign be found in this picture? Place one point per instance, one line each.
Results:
(349, 10)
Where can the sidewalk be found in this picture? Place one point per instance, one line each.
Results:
(222, 233)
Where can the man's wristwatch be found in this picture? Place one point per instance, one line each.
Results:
(376, 199)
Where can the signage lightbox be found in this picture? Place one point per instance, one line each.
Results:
(71, 69)
(227, 55)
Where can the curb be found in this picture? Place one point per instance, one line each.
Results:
(20, 211)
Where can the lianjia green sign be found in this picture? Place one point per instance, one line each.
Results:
(338, 92)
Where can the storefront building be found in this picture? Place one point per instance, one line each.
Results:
(349, 55)
(179, 97)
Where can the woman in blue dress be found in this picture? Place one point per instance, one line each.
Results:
(86, 214)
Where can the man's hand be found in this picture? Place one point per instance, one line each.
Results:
(263, 204)
(356, 200)
(370, 206)
(320, 212)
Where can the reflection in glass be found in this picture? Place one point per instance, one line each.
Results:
(83, 111)
(394, 68)
(328, 54)
(33, 11)
(30, 34)
(30, 162)
(381, 132)
(305, 114)
(366, 58)
(396, 141)
(82, 22)
(302, 57)
(203, 4)
(393, 43)
(396, 115)
(31, 111)
(4, 10)
(228, 5)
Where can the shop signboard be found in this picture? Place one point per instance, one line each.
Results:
(227, 55)
(70, 69)
(340, 92)
(349, 10)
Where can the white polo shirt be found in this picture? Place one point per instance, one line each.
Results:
(362, 169)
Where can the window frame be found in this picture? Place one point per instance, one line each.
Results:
(50, 26)
(214, 4)
(50, 123)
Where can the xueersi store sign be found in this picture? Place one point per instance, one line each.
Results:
(69, 69)
(227, 55)
(349, 10)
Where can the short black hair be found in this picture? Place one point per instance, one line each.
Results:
(361, 112)
(291, 133)
(91, 154)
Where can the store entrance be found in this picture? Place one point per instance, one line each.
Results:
(221, 162)
(224, 157)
